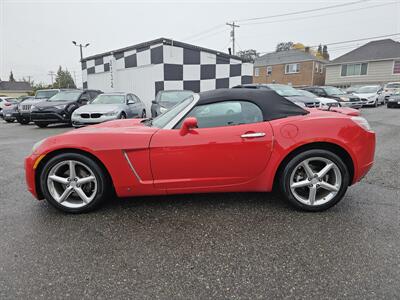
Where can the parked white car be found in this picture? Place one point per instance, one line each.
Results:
(6, 101)
(391, 88)
(107, 107)
(371, 95)
(324, 102)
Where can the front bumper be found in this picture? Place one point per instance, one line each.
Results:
(51, 117)
(30, 174)
(365, 145)
(78, 121)
(351, 104)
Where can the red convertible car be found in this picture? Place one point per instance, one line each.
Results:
(227, 140)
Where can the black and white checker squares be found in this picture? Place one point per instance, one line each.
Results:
(184, 66)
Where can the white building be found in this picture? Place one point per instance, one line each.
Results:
(163, 64)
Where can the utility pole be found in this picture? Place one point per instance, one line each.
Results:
(233, 26)
(75, 78)
(51, 74)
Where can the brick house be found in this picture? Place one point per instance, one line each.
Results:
(294, 67)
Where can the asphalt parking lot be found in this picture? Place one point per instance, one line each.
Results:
(203, 246)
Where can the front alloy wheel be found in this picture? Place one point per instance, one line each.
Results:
(315, 180)
(73, 183)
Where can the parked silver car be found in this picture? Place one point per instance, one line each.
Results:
(370, 95)
(107, 107)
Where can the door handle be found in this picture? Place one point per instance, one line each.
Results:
(253, 135)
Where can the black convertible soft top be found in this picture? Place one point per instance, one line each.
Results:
(272, 105)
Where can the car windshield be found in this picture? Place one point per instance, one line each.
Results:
(109, 99)
(368, 89)
(330, 90)
(45, 94)
(173, 97)
(166, 117)
(66, 96)
(393, 86)
(284, 90)
(307, 94)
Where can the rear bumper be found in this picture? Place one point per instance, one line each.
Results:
(364, 155)
(50, 117)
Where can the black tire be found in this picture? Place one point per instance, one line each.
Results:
(41, 124)
(376, 104)
(23, 121)
(144, 114)
(284, 179)
(9, 121)
(122, 116)
(101, 177)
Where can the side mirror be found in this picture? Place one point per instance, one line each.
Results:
(154, 102)
(188, 125)
(130, 102)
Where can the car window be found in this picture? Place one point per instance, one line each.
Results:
(93, 94)
(227, 113)
(130, 98)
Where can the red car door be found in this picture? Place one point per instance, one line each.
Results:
(212, 156)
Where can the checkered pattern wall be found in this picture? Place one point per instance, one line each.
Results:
(183, 68)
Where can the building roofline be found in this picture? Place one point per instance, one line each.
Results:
(360, 61)
(165, 41)
(297, 61)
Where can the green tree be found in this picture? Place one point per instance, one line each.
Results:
(284, 46)
(63, 79)
(248, 55)
(11, 78)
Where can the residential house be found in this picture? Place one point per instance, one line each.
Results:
(376, 62)
(15, 88)
(294, 67)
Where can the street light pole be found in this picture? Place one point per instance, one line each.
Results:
(80, 47)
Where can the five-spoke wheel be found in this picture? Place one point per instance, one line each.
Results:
(315, 180)
(73, 182)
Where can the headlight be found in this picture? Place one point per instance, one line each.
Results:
(361, 122)
(163, 109)
(60, 106)
(111, 113)
(37, 145)
(344, 98)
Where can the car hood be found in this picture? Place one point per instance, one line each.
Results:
(99, 108)
(325, 100)
(364, 95)
(303, 99)
(45, 104)
(32, 101)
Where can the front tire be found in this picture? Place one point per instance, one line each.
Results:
(73, 183)
(144, 114)
(122, 116)
(23, 121)
(314, 180)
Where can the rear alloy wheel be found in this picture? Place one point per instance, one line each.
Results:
(73, 183)
(144, 114)
(315, 180)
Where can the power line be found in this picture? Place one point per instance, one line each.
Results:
(320, 15)
(302, 11)
(203, 32)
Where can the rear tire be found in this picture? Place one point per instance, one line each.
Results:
(308, 188)
(122, 116)
(9, 121)
(85, 167)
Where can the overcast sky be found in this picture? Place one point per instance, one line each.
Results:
(35, 36)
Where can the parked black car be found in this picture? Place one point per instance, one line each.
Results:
(286, 91)
(23, 113)
(59, 108)
(346, 100)
(166, 99)
(394, 101)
